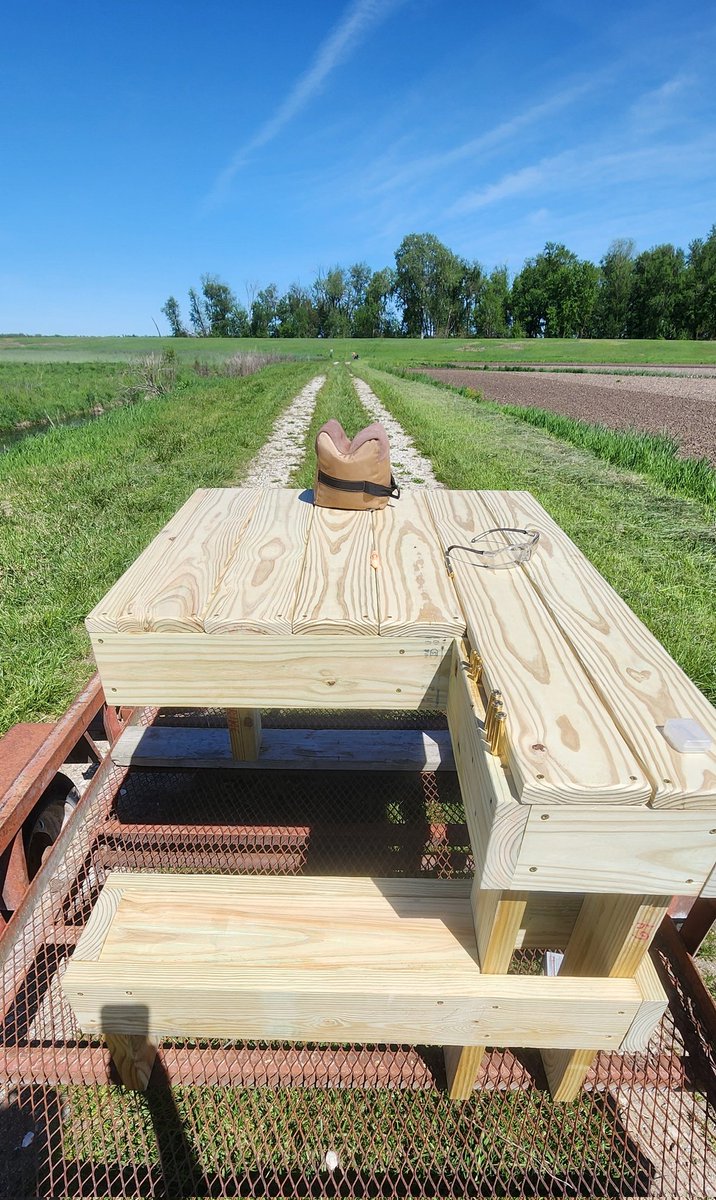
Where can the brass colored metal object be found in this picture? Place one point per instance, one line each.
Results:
(494, 705)
(474, 669)
(498, 745)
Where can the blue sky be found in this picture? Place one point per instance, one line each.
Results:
(145, 143)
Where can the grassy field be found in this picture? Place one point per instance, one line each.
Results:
(43, 393)
(376, 350)
(655, 548)
(78, 504)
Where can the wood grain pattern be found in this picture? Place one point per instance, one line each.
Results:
(170, 586)
(495, 820)
(652, 1008)
(337, 591)
(637, 679)
(244, 729)
(249, 671)
(498, 917)
(414, 594)
(91, 943)
(258, 589)
(709, 888)
(133, 1057)
(665, 851)
(289, 749)
(324, 959)
(562, 744)
(611, 938)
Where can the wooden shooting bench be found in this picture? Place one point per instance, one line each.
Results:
(583, 820)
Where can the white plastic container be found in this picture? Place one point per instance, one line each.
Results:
(686, 735)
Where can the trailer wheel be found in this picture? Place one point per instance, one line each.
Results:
(43, 826)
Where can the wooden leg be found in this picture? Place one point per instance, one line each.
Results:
(611, 936)
(497, 916)
(244, 732)
(133, 1056)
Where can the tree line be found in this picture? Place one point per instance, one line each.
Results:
(664, 292)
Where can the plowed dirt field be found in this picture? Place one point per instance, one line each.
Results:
(683, 408)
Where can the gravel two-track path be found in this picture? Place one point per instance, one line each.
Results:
(683, 408)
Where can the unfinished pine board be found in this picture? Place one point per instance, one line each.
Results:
(638, 680)
(562, 744)
(654, 1005)
(414, 594)
(665, 851)
(327, 959)
(611, 938)
(708, 891)
(497, 917)
(250, 671)
(170, 586)
(337, 590)
(495, 820)
(244, 729)
(289, 749)
(258, 589)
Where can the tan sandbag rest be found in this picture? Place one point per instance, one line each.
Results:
(353, 474)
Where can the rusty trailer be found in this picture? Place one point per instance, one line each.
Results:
(266, 1119)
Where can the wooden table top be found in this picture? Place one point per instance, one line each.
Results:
(586, 686)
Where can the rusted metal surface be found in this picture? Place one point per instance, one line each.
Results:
(699, 921)
(33, 755)
(282, 1120)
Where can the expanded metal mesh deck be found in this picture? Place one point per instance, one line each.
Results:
(279, 1120)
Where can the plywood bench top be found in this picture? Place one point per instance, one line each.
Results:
(264, 576)
(318, 959)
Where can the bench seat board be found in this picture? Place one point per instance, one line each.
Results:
(563, 746)
(328, 959)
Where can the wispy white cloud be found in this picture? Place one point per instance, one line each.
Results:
(659, 107)
(585, 166)
(358, 21)
(390, 178)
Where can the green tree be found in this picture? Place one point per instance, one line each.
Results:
(428, 286)
(197, 314)
(219, 304)
(296, 315)
(492, 313)
(702, 286)
(555, 294)
(472, 285)
(264, 312)
(615, 285)
(331, 294)
(173, 315)
(372, 318)
(659, 297)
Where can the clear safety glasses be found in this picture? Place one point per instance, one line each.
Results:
(509, 554)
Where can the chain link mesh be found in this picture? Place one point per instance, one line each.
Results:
(268, 1119)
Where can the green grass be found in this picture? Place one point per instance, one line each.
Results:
(48, 392)
(374, 350)
(338, 399)
(706, 962)
(652, 454)
(228, 1133)
(656, 549)
(78, 504)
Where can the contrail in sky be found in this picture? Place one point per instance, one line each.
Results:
(361, 17)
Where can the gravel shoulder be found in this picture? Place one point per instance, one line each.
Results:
(685, 409)
(410, 468)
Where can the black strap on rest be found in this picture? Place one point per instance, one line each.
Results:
(361, 485)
